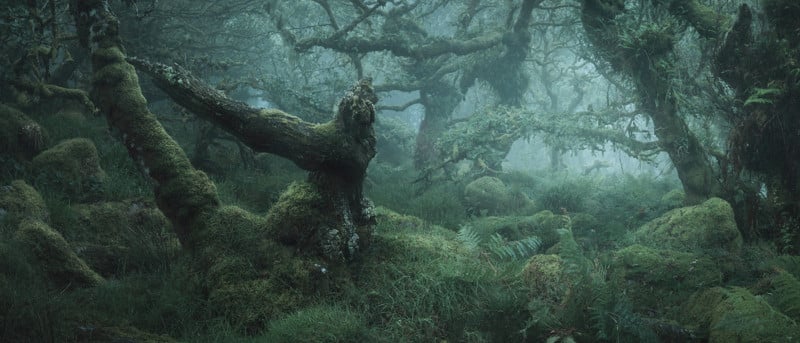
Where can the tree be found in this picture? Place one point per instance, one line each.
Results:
(324, 220)
(439, 67)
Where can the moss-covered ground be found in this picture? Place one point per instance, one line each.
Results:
(603, 258)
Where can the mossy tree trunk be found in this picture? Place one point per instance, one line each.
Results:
(335, 153)
(647, 63)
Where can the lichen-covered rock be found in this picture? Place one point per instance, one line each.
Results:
(736, 315)
(19, 201)
(489, 195)
(73, 167)
(55, 256)
(708, 228)
(662, 279)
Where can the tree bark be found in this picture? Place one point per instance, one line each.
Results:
(336, 153)
(649, 75)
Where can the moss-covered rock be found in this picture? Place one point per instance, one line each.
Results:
(55, 256)
(251, 278)
(662, 279)
(122, 236)
(73, 167)
(736, 315)
(418, 283)
(545, 276)
(489, 195)
(543, 225)
(673, 199)
(20, 136)
(20, 201)
(708, 229)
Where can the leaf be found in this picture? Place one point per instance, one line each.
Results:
(760, 96)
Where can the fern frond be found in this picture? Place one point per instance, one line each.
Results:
(469, 237)
(789, 263)
(761, 96)
(513, 250)
(786, 294)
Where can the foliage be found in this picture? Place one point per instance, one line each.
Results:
(419, 282)
(610, 315)
(763, 96)
(564, 197)
(323, 323)
(742, 316)
(395, 189)
(513, 250)
(785, 296)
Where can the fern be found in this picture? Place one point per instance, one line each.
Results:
(469, 237)
(786, 294)
(761, 96)
(513, 250)
(789, 263)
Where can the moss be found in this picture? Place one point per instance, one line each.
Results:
(251, 304)
(20, 201)
(20, 136)
(184, 199)
(250, 278)
(299, 209)
(324, 323)
(547, 226)
(489, 195)
(546, 278)
(708, 22)
(73, 167)
(418, 283)
(126, 236)
(662, 279)
(708, 228)
(543, 225)
(55, 256)
(673, 199)
(736, 315)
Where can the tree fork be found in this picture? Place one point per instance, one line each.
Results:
(336, 153)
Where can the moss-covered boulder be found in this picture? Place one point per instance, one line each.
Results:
(19, 201)
(72, 166)
(662, 279)
(20, 137)
(419, 283)
(543, 225)
(673, 199)
(708, 228)
(250, 278)
(736, 315)
(489, 195)
(55, 256)
(128, 236)
(545, 276)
